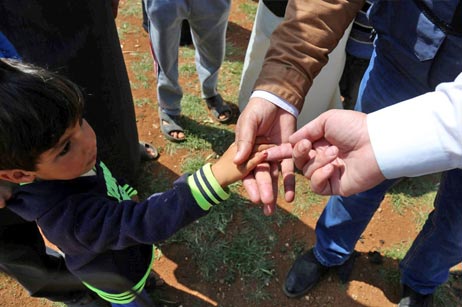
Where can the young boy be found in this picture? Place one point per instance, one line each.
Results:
(48, 148)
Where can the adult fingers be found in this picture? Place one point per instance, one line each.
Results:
(250, 185)
(266, 178)
(288, 179)
(301, 153)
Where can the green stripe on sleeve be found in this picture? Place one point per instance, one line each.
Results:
(222, 193)
(205, 188)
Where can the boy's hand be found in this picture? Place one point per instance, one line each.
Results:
(226, 172)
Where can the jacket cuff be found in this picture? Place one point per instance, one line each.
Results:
(205, 188)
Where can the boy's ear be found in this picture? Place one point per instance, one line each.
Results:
(17, 176)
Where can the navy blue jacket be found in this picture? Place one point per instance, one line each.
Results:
(98, 230)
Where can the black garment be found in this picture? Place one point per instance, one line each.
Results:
(23, 256)
(185, 38)
(277, 7)
(351, 80)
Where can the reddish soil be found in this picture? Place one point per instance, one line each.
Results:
(184, 285)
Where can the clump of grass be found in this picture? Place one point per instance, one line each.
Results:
(142, 101)
(250, 10)
(397, 251)
(131, 8)
(142, 68)
(187, 69)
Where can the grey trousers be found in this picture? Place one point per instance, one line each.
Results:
(208, 20)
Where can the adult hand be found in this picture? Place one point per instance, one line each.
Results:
(263, 118)
(354, 170)
(334, 152)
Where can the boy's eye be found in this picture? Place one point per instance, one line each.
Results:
(65, 149)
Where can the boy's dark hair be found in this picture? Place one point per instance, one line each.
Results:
(36, 108)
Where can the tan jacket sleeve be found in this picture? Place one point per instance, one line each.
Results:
(300, 46)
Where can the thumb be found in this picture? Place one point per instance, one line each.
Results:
(312, 131)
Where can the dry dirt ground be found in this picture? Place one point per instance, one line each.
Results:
(185, 287)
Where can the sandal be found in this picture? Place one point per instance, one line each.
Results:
(220, 109)
(148, 152)
(168, 125)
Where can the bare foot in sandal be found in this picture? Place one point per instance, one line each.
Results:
(170, 128)
(177, 135)
(147, 151)
(220, 110)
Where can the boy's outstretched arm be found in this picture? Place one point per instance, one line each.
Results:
(226, 172)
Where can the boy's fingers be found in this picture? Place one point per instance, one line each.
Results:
(280, 152)
(254, 160)
(320, 180)
(262, 147)
(321, 158)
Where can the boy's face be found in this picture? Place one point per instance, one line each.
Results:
(72, 156)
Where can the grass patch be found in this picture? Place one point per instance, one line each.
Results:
(390, 275)
(232, 51)
(143, 69)
(187, 69)
(131, 8)
(225, 252)
(187, 53)
(230, 75)
(305, 199)
(397, 251)
(142, 101)
(250, 10)
(416, 193)
(126, 28)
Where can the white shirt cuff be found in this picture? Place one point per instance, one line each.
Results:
(277, 101)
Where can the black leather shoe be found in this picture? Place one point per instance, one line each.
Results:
(410, 298)
(304, 275)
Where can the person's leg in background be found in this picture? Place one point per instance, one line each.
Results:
(351, 79)
(208, 21)
(358, 50)
(438, 245)
(164, 32)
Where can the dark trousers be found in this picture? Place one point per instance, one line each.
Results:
(351, 79)
(23, 256)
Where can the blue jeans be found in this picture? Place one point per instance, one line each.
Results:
(411, 57)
